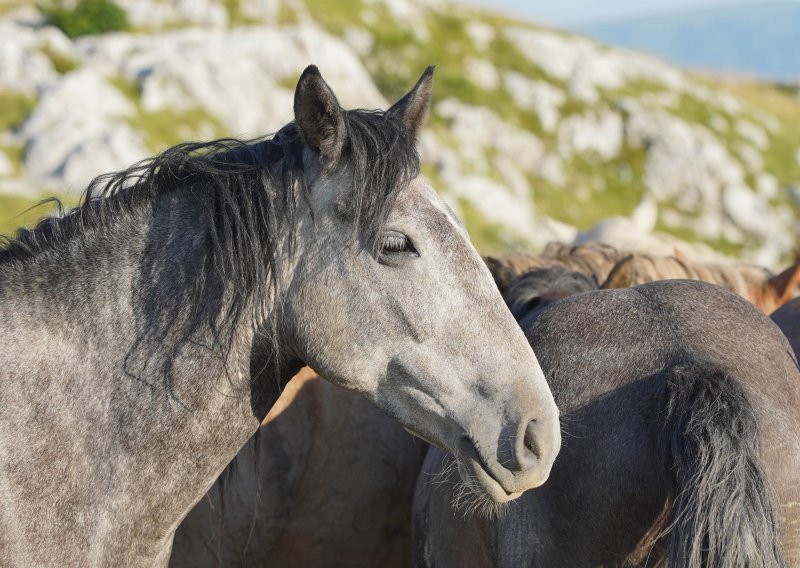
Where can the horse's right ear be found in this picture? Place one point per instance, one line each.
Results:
(413, 107)
(319, 116)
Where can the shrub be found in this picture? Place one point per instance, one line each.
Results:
(87, 17)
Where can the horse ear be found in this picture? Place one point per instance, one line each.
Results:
(622, 275)
(319, 116)
(413, 107)
(785, 283)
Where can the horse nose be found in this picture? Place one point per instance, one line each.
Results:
(536, 447)
(530, 446)
(528, 449)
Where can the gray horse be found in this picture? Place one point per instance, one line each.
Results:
(149, 331)
(680, 406)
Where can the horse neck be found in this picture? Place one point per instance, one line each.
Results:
(138, 452)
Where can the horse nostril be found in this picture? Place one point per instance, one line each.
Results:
(530, 452)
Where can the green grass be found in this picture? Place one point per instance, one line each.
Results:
(615, 188)
(634, 89)
(85, 17)
(62, 63)
(165, 128)
(17, 211)
(168, 127)
(14, 153)
(337, 16)
(235, 15)
(14, 109)
(486, 236)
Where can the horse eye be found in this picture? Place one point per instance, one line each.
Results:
(394, 243)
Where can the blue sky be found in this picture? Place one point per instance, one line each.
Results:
(573, 12)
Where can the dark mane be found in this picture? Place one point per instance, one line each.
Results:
(545, 285)
(249, 192)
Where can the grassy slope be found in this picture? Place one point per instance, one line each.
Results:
(399, 55)
(615, 186)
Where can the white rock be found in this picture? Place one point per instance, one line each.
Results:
(154, 14)
(192, 68)
(359, 39)
(410, 14)
(6, 166)
(551, 169)
(752, 133)
(645, 216)
(749, 211)
(623, 234)
(483, 73)
(497, 205)
(23, 66)
(552, 230)
(65, 150)
(479, 130)
(686, 164)
(539, 96)
(513, 178)
(751, 157)
(481, 34)
(767, 185)
(598, 132)
(719, 123)
(587, 66)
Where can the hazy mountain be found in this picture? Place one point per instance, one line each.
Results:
(757, 39)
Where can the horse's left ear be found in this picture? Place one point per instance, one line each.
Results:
(413, 108)
(319, 116)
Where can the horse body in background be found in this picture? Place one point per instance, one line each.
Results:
(149, 331)
(679, 406)
(787, 317)
(328, 481)
(765, 290)
(615, 268)
(592, 259)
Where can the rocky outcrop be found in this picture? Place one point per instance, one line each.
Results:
(534, 130)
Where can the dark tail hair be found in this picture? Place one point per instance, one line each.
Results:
(723, 514)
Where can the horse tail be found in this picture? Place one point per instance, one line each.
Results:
(723, 512)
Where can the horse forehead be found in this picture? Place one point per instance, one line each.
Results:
(421, 201)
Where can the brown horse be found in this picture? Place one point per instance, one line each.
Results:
(328, 482)
(679, 406)
(591, 259)
(767, 291)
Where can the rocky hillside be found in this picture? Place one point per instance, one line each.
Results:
(535, 134)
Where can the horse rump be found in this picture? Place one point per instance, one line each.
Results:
(723, 511)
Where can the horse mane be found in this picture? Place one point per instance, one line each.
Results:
(545, 285)
(749, 281)
(229, 166)
(592, 259)
(248, 191)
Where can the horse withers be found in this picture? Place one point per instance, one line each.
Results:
(679, 407)
(149, 331)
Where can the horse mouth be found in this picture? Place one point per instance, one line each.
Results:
(473, 471)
